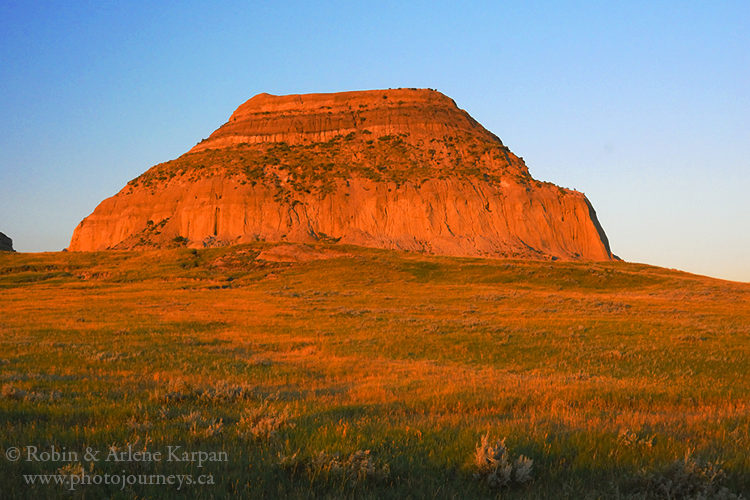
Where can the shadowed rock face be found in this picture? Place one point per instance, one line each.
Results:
(402, 169)
(6, 244)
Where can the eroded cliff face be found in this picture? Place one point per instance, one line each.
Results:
(401, 169)
(295, 119)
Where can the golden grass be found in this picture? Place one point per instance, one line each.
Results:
(598, 372)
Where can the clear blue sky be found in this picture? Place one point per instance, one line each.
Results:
(644, 106)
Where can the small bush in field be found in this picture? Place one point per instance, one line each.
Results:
(9, 391)
(356, 469)
(209, 428)
(629, 438)
(202, 427)
(496, 466)
(685, 479)
(263, 422)
(71, 469)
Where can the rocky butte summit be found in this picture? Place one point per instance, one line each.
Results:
(402, 169)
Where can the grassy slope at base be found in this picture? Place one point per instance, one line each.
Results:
(603, 373)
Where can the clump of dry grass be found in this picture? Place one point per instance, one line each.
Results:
(138, 424)
(202, 427)
(221, 392)
(214, 428)
(687, 478)
(263, 422)
(629, 438)
(207, 428)
(496, 467)
(105, 356)
(9, 391)
(71, 469)
(356, 469)
(191, 418)
(225, 391)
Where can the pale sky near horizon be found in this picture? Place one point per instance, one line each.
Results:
(643, 106)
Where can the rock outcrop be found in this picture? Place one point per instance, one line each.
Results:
(401, 169)
(6, 244)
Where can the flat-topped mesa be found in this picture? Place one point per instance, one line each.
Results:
(304, 118)
(402, 169)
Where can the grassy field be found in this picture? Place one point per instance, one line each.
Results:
(366, 373)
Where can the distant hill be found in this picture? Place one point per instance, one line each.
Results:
(6, 244)
(402, 169)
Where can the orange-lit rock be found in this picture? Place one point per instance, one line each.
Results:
(403, 169)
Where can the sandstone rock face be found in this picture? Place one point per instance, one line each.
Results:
(294, 119)
(6, 244)
(400, 169)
